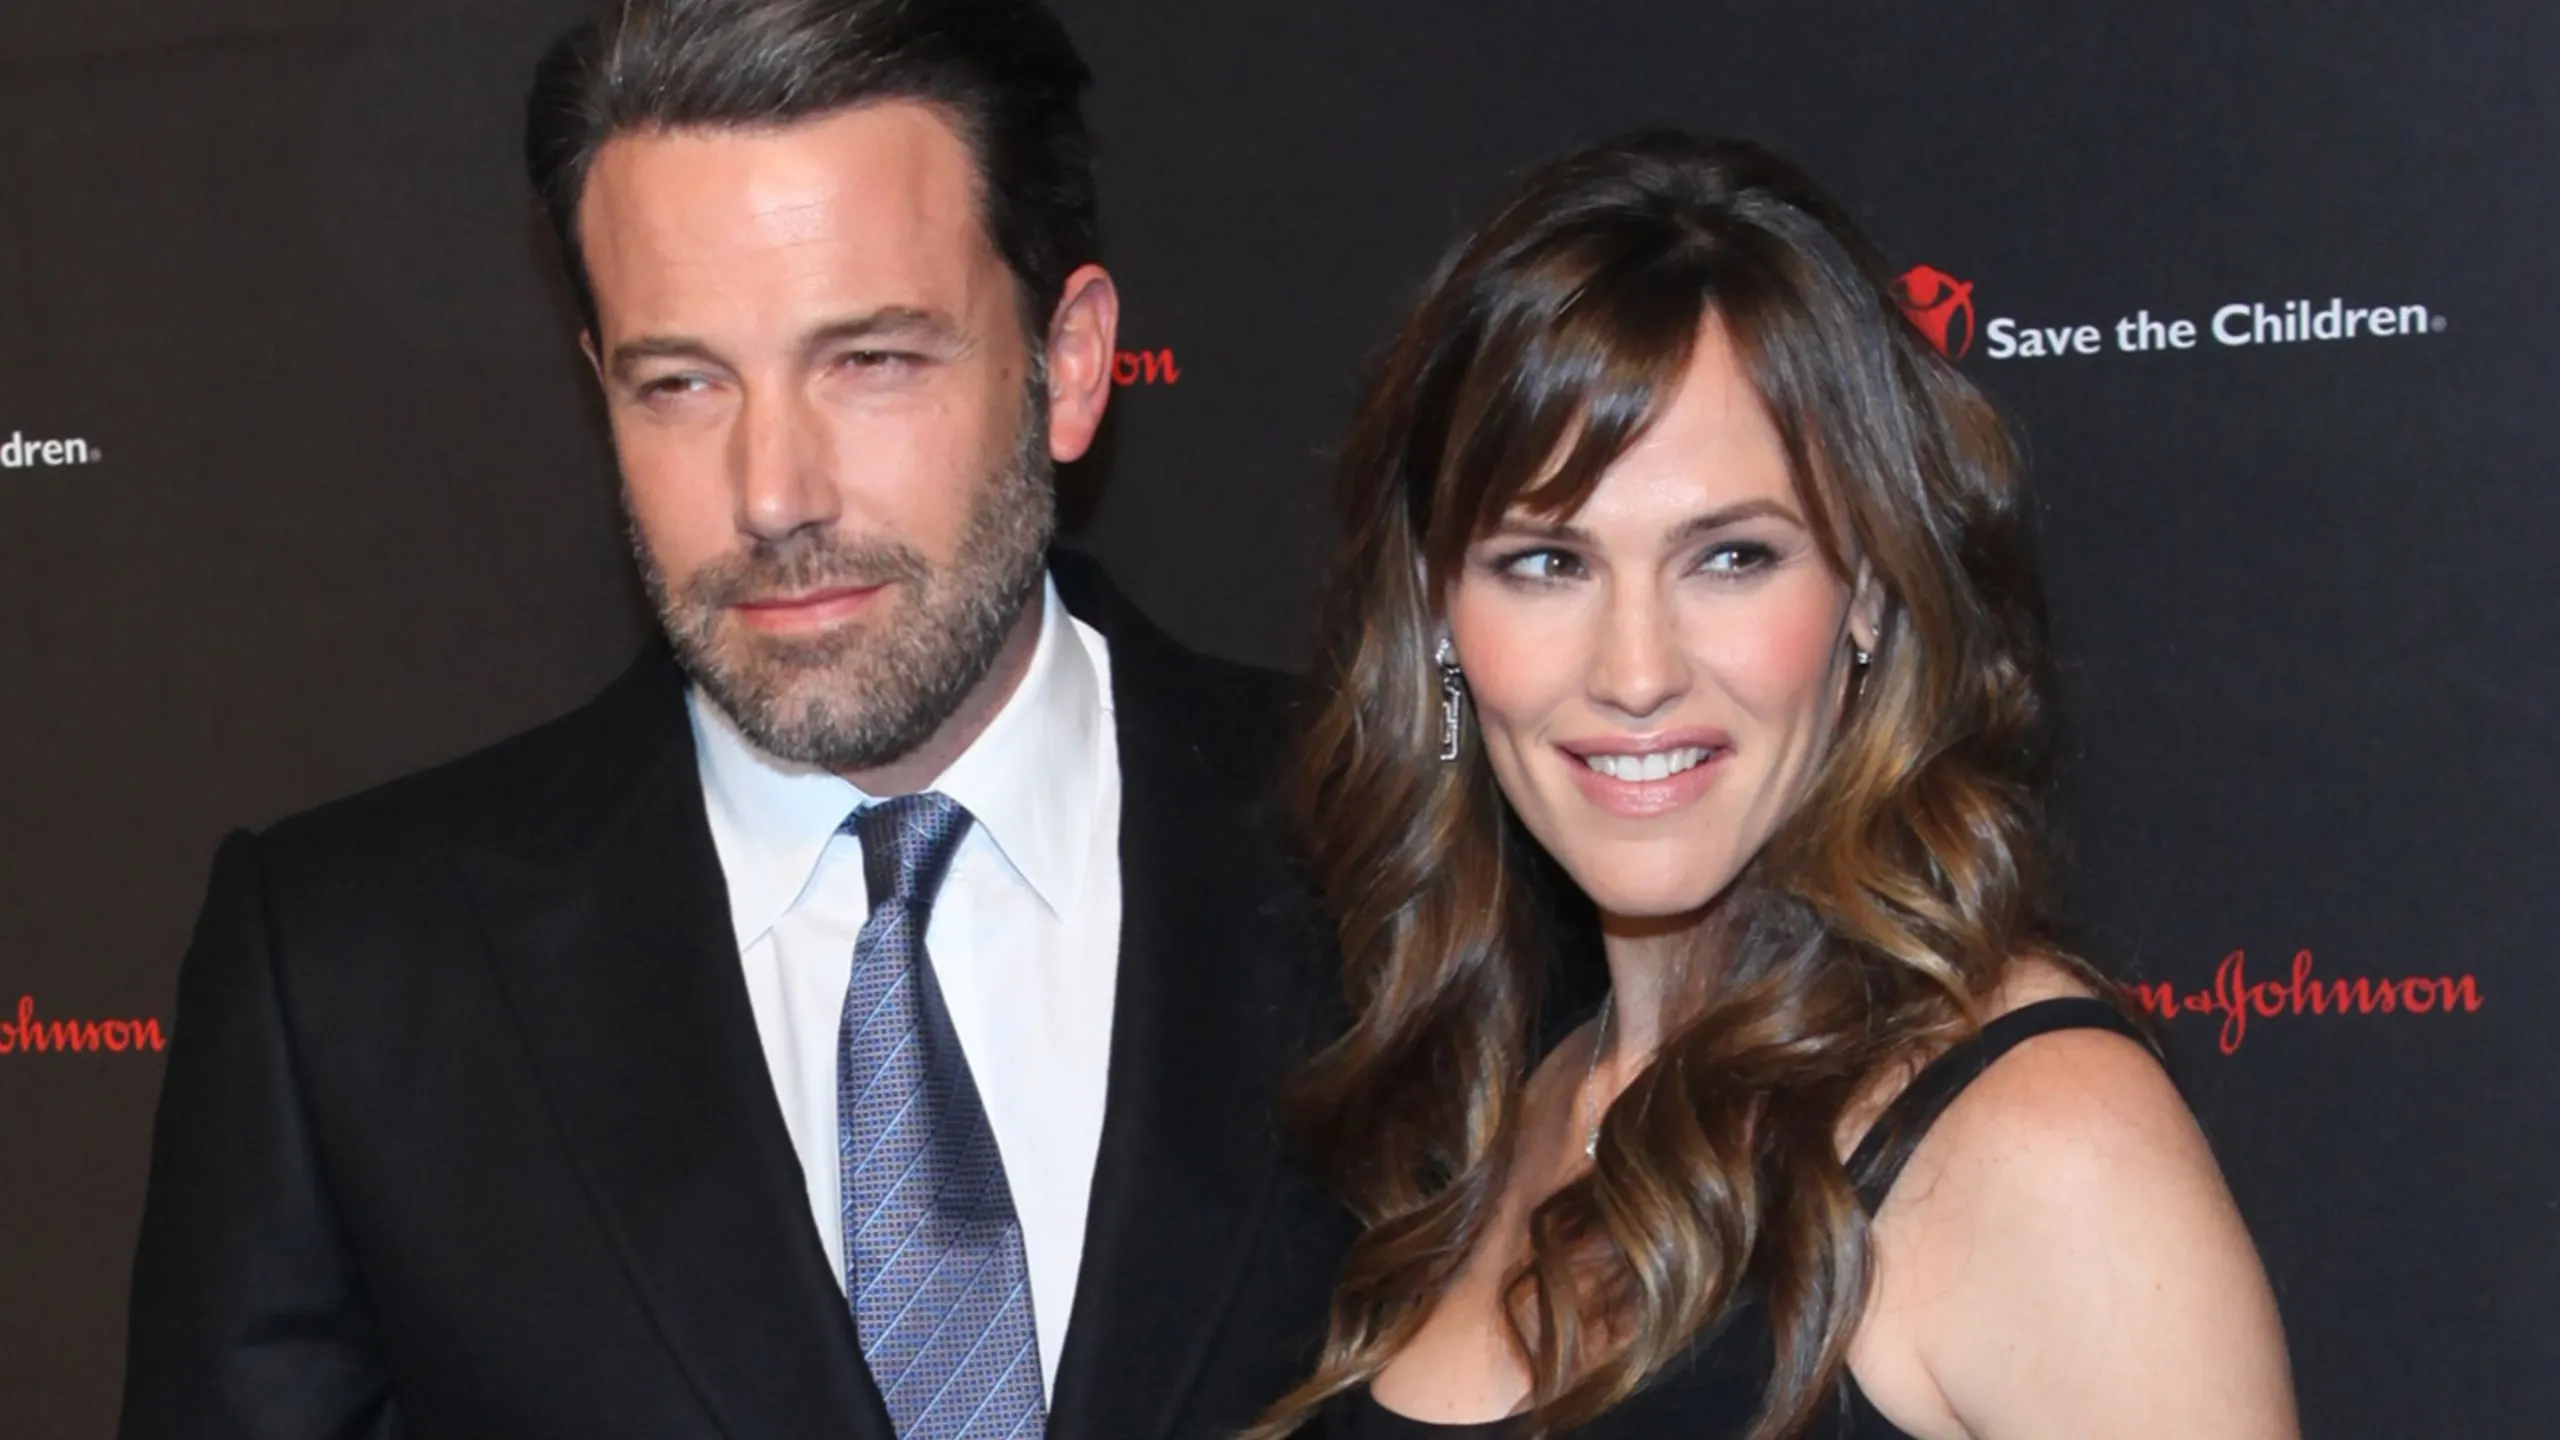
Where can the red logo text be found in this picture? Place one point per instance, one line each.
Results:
(2237, 998)
(1145, 367)
(27, 1035)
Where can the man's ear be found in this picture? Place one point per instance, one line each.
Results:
(587, 347)
(1084, 334)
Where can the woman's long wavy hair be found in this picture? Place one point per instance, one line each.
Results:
(1868, 931)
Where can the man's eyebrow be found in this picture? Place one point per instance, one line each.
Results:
(894, 321)
(889, 322)
(630, 353)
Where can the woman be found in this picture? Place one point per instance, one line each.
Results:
(1678, 563)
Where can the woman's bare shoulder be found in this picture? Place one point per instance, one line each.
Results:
(2062, 1237)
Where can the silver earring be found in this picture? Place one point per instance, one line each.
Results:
(1452, 686)
(1858, 662)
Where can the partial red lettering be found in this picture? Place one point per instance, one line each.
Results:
(1152, 367)
(2365, 996)
(26, 1034)
(2234, 996)
(2231, 997)
(2302, 988)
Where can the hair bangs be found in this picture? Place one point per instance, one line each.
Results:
(1569, 375)
(1757, 312)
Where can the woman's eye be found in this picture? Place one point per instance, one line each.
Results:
(1736, 557)
(1546, 565)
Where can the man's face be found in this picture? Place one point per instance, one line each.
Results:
(831, 430)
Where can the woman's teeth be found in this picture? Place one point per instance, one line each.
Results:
(1660, 765)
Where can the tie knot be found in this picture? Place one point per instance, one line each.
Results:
(907, 845)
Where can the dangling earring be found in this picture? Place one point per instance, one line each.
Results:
(1858, 662)
(1452, 686)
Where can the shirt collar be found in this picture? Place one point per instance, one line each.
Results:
(1029, 780)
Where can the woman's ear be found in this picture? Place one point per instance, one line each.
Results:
(1866, 609)
(1435, 610)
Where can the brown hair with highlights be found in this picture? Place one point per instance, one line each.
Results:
(1868, 932)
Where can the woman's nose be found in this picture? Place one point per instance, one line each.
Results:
(1637, 668)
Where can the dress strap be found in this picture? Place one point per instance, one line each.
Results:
(1879, 1158)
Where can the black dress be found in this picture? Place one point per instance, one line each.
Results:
(1714, 1391)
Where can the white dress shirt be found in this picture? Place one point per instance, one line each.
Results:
(1024, 939)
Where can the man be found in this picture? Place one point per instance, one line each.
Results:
(861, 1020)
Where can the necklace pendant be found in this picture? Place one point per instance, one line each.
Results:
(1591, 1073)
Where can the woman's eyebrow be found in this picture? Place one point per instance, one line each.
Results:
(1536, 528)
(1735, 514)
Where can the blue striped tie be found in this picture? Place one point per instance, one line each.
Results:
(932, 1250)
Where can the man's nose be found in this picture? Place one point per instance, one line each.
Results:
(784, 469)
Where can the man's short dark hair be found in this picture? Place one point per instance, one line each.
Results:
(1004, 71)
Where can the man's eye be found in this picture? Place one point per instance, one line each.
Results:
(670, 387)
(1545, 565)
(877, 359)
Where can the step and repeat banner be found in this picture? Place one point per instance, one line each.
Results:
(301, 487)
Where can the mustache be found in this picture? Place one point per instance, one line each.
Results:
(800, 562)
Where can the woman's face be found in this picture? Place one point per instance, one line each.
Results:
(1658, 674)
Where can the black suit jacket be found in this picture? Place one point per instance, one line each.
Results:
(467, 1130)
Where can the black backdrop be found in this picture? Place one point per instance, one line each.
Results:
(325, 501)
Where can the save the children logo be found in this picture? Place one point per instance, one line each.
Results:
(1941, 305)
(22, 452)
(1942, 308)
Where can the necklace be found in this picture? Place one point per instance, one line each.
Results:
(1591, 1072)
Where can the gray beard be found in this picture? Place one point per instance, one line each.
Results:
(871, 692)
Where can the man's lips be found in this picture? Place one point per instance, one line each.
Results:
(1640, 776)
(808, 610)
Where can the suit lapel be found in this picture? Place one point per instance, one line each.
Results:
(1215, 994)
(609, 925)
